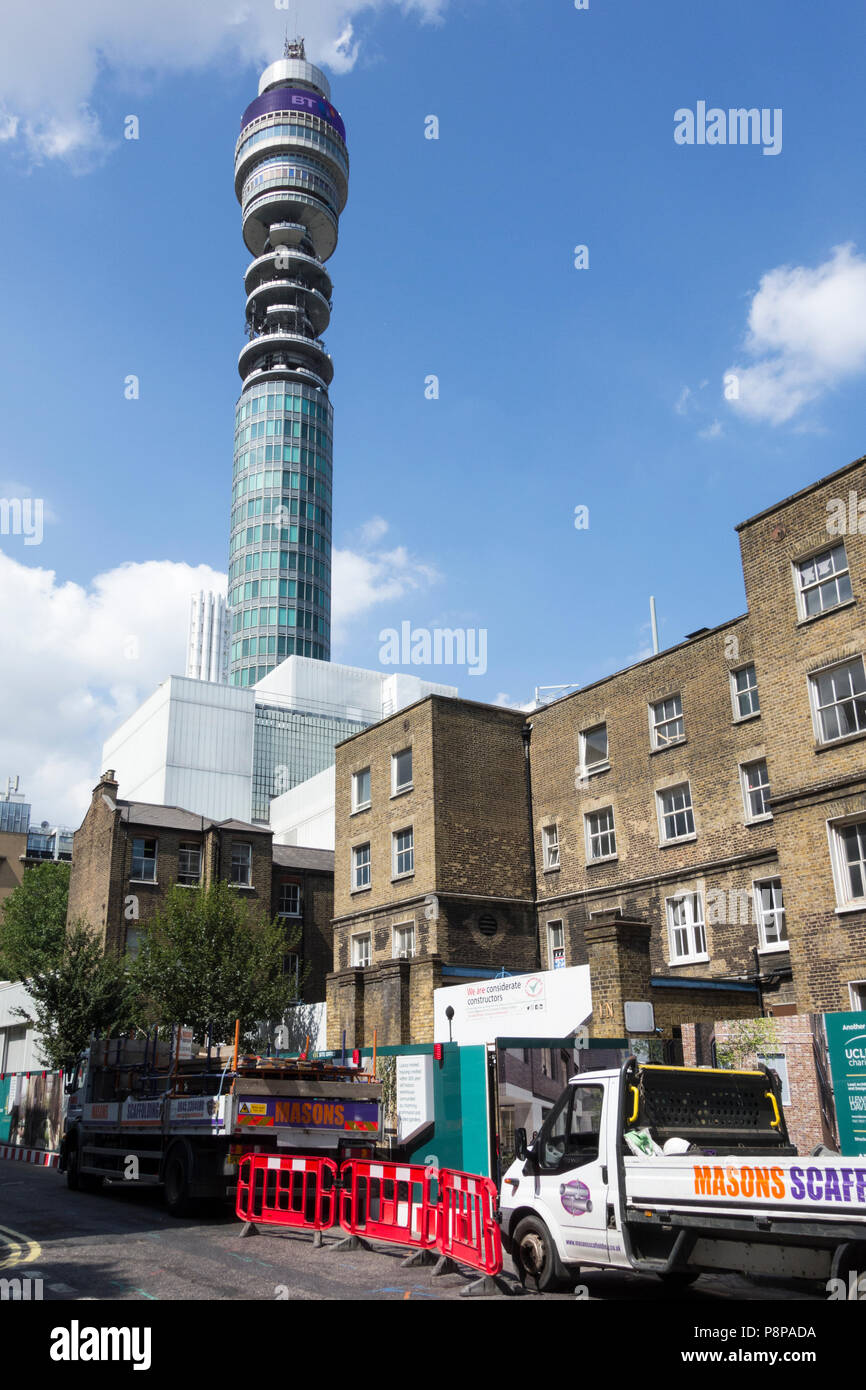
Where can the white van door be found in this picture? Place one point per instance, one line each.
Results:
(570, 1178)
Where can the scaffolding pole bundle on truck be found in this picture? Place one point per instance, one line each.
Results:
(139, 1111)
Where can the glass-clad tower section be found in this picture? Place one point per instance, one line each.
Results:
(292, 181)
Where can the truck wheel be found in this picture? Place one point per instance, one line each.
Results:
(176, 1181)
(76, 1181)
(535, 1256)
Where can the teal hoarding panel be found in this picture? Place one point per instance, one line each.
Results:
(846, 1042)
(460, 1134)
(5, 1117)
(475, 1129)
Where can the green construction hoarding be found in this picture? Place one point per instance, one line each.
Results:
(846, 1043)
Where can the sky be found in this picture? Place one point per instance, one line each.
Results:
(598, 379)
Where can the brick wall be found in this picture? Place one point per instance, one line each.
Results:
(811, 783)
(804, 1115)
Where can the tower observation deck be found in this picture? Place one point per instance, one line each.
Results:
(292, 182)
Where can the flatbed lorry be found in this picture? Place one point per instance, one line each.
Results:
(676, 1172)
(137, 1111)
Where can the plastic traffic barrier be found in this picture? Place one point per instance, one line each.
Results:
(388, 1201)
(277, 1190)
(468, 1232)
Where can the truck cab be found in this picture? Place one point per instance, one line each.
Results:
(676, 1171)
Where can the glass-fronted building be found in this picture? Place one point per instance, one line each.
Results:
(291, 745)
(291, 179)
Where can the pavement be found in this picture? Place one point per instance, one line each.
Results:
(121, 1245)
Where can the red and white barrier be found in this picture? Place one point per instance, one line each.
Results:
(388, 1201)
(378, 1200)
(42, 1157)
(286, 1191)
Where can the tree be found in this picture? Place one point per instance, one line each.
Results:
(33, 922)
(746, 1038)
(205, 961)
(81, 991)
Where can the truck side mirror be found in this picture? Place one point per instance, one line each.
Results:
(520, 1149)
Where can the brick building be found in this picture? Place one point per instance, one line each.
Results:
(796, 1049)
(697, 820)
(433, 866)
(127, 854)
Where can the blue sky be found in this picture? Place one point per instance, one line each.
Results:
(558, 386)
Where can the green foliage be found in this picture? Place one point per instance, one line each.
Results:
(747, 1037)
(205, 961)
(387, 1069)
(81, 992)
(33, 922)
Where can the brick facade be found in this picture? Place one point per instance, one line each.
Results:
(118, 904)
(735, 887)
(813, 782)
(799, 1039)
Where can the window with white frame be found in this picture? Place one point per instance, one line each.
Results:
(401, 771)
(686, 932)
(848, 847)
(404, 941)
(857, 994)
(290, 900)
(594, 749)
(555, 944)
(778, 1062)
(403, 852)
(839, 700)
(770, 912)
(744, 692)
(550, 836)
(362, 949)
(756, 790)
(675, 811)
(189, 864)
(600, 834)
(666, 722)
(361, 789)
(144, 860)
(242, 865)
(361, 867)
(823, 581)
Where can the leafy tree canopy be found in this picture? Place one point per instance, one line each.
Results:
(83, 991)
(33, 922)
(206, 960)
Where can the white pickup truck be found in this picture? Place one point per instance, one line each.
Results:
(678, 1171)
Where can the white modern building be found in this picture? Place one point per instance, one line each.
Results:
(305, 815)
(226, 751)
(207, 657)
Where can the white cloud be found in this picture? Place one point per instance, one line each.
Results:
(807, 330)
(71, 673)
(55, 56)
(505, 702)
(373, 530)
(363, 579)
(681, 402)
(712, 431)
(77, 661)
